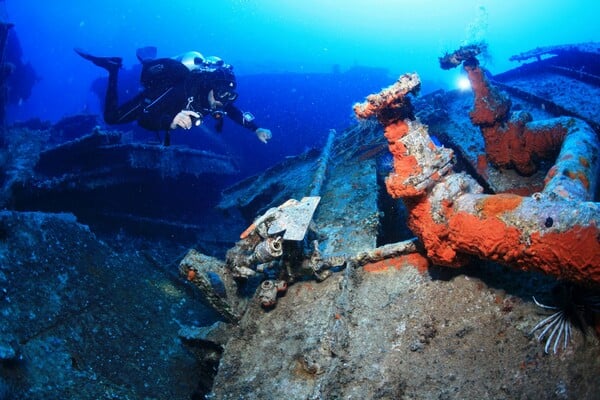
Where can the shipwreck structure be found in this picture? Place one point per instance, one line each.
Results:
(505, 194)
(555, 230)
(517, 188)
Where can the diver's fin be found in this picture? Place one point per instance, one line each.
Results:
(146, 53)
(108, 63)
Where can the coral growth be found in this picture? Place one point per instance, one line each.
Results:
(464, 53)
(392, 103)
(555, 231)
(512, 140)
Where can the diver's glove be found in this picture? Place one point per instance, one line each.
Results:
(186, 119)
(263, 134)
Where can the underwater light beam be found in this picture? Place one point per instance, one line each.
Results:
(463, 83)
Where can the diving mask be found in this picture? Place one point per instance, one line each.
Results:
(224, 95)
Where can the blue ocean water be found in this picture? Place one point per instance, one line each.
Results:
(300, 64)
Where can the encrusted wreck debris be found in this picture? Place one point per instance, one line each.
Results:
(569, 50)
(555, 230)
(104, 180)
(513, 139)
(280, 245)
(341, 332)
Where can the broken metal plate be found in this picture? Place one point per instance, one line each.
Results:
(294, 218)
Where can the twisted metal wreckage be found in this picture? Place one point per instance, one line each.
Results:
(554, 231)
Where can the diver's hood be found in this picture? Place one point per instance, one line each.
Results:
(214, 77)
(192, 60)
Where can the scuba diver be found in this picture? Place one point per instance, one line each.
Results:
(177, 93)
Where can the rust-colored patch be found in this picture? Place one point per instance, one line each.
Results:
(573, 254)
(581, 176)
(365, 110)
(380, 266)
(490, 238)
(551, 174)
(248, 231)
(489, 105)
(584, 180)
(414, 259)
(500, 203)
(406, 166)
(396, 131)
(191, 274)
(418, 261)
(585, 163)
(482, 166)
(397, 188)
(432, 234)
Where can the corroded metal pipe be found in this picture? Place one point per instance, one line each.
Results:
(323, 162)
(514, 140)
(558, 237)
(574, 175)
(390, 250)
(555, 231)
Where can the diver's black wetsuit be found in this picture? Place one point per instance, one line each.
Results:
(156, 106)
